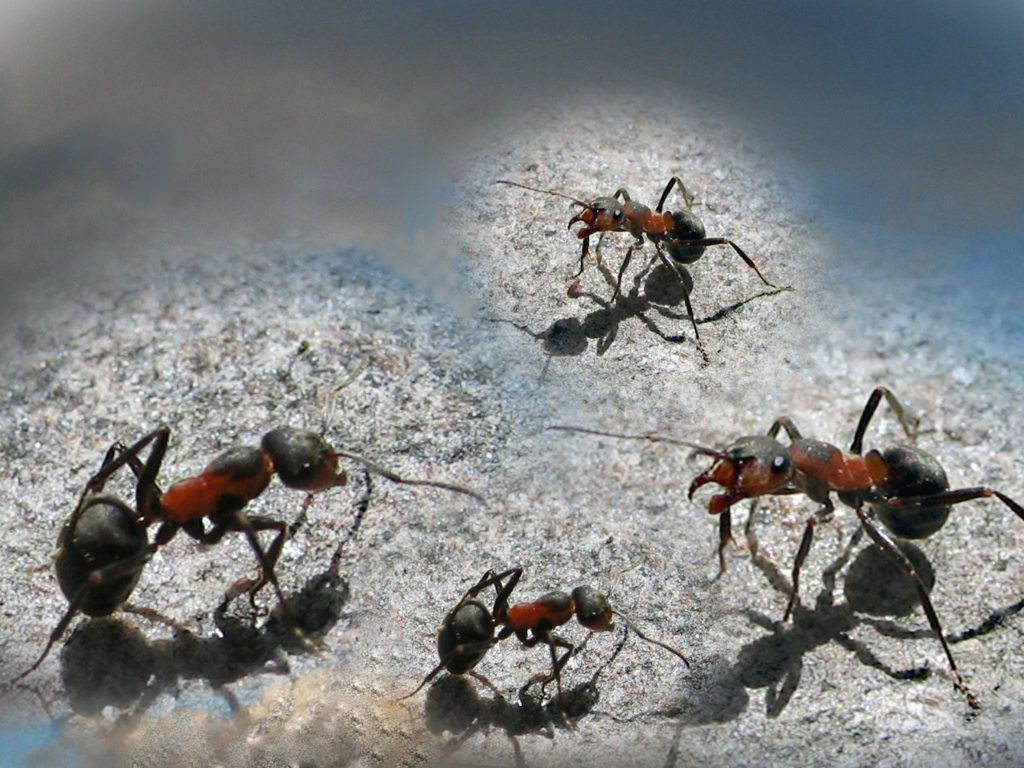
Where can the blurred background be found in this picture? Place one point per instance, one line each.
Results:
(150, 129)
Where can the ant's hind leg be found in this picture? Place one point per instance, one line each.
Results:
(687, 197)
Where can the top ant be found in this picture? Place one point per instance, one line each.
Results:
(680, 233)
(103, 546)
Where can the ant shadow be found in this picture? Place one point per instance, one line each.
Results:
(874, 588)
(109, 662)
(655, 288)
(453, 706)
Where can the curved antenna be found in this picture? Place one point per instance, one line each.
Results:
(544, 191)
(377, 469)
(651, 640)
(646, 436)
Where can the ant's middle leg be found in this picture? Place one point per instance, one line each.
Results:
(805, 546)
(622, 271)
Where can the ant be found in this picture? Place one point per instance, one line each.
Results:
(680, 233)
(470, 629)
(103, 546)
(903, 487)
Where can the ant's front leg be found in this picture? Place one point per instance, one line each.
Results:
(909, 423)
(584, 252)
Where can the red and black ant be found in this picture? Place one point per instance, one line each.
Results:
(470, 629)
(903, 487)
(103, 546)
(680, 233)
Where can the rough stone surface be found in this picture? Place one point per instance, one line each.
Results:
(223, 347)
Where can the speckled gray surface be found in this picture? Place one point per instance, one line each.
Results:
(224, 346)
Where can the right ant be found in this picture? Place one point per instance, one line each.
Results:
(470, 629)
(903, 487)
(681, 233)
(103, 546)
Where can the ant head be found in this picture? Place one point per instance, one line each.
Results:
(593, 610)
(750, 467)
(605, 214)
(302, 459)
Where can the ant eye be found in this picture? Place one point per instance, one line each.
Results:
(617, 215)
(780, 464)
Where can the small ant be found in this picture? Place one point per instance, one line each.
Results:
(468, 630)
(103, 546)
(904, 487)
(680, 233)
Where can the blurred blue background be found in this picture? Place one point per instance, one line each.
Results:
(155, 128)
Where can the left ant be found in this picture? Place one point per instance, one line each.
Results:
(681, 233)
(470, 629)
(103, 547)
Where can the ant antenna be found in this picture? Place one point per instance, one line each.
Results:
(332, 397)
(545, 192)
(651, 640)
(647, 436)
(377, 469)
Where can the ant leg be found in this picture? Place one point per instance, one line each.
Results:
(724, 537)
(956, 497)
(884, 541)
(116, 457)
(704, 242)
(786, 424)
(249, 527)
(753, 545)
(686, 297)
(500, 607)
(583, 254)
(622, 271)
(668, 188)
(377, 469)
(907, 422)
(488, 579)
(621, 192)
(272, 553)
(557, 662)
(801, 555)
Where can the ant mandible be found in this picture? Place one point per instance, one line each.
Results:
(470, 629)
(103, 546)
(680, 233)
